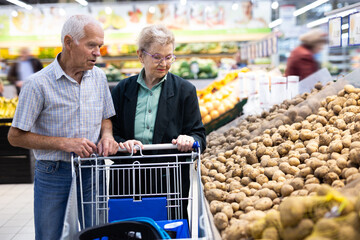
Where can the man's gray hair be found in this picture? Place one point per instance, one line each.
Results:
(75, 25)
(155, 34)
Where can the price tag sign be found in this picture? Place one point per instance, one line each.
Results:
(335, 32)
(354, 29)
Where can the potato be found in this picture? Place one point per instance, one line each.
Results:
(236, 230)
(291, 211)
(220, 220)
(228, 210)
(263, 204)
(240, 197)
(220, 177)
(270, 233)
(299, 232)
(215, 194)
(245, 181)
(306, 134)
(261, 179)
(286, 190)
(246, 202)
(209, 185)
(297, 183)
(355, 155)
(251, 158)
(320, 172)
(330, 178)
(335, 146)
(350, 171)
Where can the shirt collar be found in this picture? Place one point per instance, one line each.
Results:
(141, 81)
(59, 72)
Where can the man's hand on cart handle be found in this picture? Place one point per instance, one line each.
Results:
(184, 143)
(131, 145)
(80, 146)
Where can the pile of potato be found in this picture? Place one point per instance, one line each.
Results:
(284, 113)
(245, 178)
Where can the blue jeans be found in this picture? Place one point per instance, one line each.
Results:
(51, 191)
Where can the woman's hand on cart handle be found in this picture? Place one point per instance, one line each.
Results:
(130, 146)
(184, 143)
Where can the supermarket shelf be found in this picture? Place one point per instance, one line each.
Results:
(135, 57)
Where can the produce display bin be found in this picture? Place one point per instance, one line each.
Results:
(226, 117)
(16, 164)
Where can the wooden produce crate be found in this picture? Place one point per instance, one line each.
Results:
(226, 117)
(16, 164)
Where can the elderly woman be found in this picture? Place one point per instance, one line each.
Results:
(156, 106)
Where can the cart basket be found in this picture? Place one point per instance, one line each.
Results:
(124, 230)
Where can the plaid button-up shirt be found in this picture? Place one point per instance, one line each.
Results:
(53, 104)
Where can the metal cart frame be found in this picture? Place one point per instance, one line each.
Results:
(199, 224)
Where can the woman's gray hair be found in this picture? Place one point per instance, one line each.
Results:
(75, 25)
(155, 34)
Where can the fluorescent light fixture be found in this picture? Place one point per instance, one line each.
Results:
(345, 26)
(62, 12)
(82, 2)
(275, 5)
(275, 23)
(20, 4)
(108, 10)
(14, 13)
(235, 6)
(152, 9)
(183, 2)
(317, 22)
(308, 7)
(345, 13)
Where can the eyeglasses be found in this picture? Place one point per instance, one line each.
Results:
(157, 58)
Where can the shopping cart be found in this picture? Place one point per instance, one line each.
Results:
(148, 189)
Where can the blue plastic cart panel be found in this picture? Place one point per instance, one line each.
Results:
(123, 208)
(179, 226)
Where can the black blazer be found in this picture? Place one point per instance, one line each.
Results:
(178, 111)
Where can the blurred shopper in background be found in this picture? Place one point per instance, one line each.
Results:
(65, 108)
(1, 88)
(23, 68)
(302, 61)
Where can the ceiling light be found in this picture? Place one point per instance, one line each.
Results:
(345, 26)
(152, 9)
(14, 13)
(183, 2)
(82, 2)
(309, 7)
(275, 5)
(20, 4)
(317, 22)
(62, 12)
(345, 13)
(275, 23)
(108, 10)
(235, 6)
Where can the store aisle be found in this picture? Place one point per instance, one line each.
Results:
(16, 212)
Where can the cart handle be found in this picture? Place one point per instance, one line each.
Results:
(161, 146)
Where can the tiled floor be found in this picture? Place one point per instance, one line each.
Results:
(16, 212)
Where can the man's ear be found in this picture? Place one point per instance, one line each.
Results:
(68, 42)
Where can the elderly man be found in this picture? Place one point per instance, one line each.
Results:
(65, 108)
